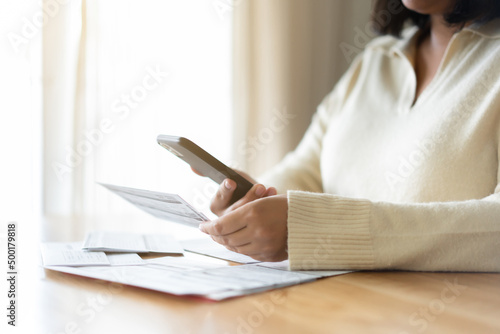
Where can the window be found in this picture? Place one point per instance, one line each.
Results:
(20, 115)
(134, 69)
(159, 67)
(141, 68)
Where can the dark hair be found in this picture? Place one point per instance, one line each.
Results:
(390, 16)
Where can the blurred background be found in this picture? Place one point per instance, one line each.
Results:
(87, 86)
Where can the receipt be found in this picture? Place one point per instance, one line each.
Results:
(169, 207)
(108, 241)
(71, 254)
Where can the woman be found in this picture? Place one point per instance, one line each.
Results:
(399, 168)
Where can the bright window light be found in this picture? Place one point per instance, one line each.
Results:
(160, 67)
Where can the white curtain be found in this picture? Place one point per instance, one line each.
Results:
(63, 68)
(118, 73)
(20, 115)
(288, 54)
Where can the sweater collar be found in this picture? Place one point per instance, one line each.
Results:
(406, 45)
(489, 29)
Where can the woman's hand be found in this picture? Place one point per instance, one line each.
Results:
(220, 204)
(257, 229)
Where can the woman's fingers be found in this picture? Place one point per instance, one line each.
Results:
(242, 249)
(257, 229)
(256, 192)
(271, 191)
(236, 239)
(225, 225)
(220, 202)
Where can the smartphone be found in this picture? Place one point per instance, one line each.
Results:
(204, 163)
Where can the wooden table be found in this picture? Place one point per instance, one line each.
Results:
(361, 302)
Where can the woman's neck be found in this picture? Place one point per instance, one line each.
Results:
(440, 32)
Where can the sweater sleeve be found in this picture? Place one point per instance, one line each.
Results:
(332, 232)
(300, 169)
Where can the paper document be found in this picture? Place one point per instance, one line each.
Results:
(71, 254)
(185, 264)
(284, 265)
(170, 207)
(213, 282)
(207, 246)
(129, 259)
(130, 242)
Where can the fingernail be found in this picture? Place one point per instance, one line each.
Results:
(227, 184)
(202, 227)
(260, 190)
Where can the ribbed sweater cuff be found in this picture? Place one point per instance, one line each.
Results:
(328, 232)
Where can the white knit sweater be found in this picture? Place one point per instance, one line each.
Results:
(379, 183)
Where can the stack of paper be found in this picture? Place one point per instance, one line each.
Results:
(177, 275)
(131, 242)
(178, 278)
(92, 251)
(207, 246)
(71, 254)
